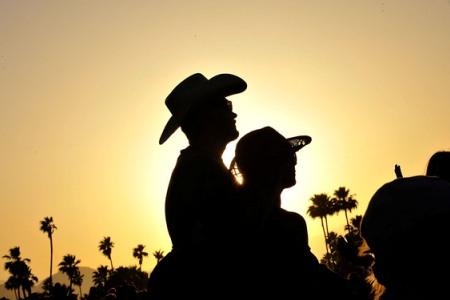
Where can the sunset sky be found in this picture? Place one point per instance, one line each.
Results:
(83, 83)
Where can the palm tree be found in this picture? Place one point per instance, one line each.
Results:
(356, 223)
(48, 227)
(332, 240)
(129, 275)
(321, 208)
(13, 282)
(100, 277)
(78, 281)
(344, 201)
(21, 276)
(158, 254)
(47, 287)
(28, 279)
(139, 253)
(331, 259)
(105, 247)
(69, 266)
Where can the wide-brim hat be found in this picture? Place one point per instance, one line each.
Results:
(192, 92)
(268, 141)
(264, 144)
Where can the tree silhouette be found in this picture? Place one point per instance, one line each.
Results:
(139, 253)
(21, 279)
(78, 281)
(12, 284)
(331, 260)
(348, 259)
(69, 266)
(47, 286)
(48, 227)
(61, 292)
(321, 207)
(158, 254)
(11, 266)
(105, 247)
(128, 276)
(355, 223)
(344, 201)
(100, 277)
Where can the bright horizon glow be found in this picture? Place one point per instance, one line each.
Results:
(82, 89)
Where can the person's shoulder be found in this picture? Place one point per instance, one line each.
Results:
(192, 161)
(292, 217)
(290, 214)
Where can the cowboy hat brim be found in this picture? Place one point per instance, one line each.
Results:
(298, 142)
(220, 85)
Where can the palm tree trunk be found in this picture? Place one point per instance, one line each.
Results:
(326, 226)
(51, 260)
(324, 235)
(346, 218)
(81, 293)
(70, 287)
(15, 293)
(110, 260)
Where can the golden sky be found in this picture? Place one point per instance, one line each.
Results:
(83, 83)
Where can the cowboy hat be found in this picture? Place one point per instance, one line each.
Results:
(266, 143)
(192, 92)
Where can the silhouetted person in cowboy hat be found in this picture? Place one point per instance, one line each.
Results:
(199, 207)
(281, 265)
(405, 225)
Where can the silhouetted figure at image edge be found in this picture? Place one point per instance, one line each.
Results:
(405, 226)
(280, 264)
(439, 165)
(199, 207)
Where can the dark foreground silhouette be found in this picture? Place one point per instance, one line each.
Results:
(209, 216)
(439, 165)
(200, 206)
(280, 264)
(231, 238)
(404, 225)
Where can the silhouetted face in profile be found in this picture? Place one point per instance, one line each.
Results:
(287, 172)
(221, 120)
(215, 119)
(280, 165)
(266, 158)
